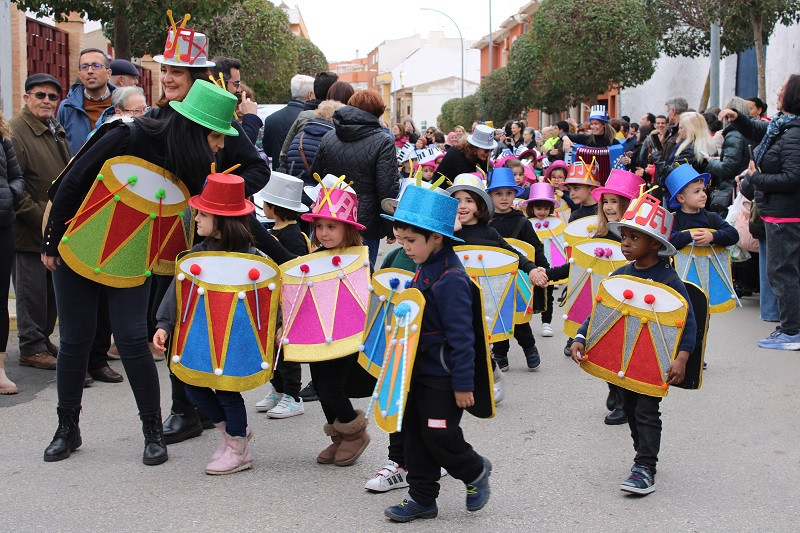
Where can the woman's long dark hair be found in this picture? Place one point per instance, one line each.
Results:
(186, 150)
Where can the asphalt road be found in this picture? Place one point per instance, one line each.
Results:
(729, 457)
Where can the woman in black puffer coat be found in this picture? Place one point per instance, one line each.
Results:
(12, 186)
(734, 156)
(359, 149)
(775, 174)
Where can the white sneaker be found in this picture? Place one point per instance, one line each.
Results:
(499, 387)
(270, 400)
(391, 476)
(287, 407)
(547, 330)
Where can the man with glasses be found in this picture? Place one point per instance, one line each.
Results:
(86, 101)
(42, 152)
(231, 70)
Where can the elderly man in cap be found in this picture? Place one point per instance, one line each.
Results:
(41, 146)
(124, 73)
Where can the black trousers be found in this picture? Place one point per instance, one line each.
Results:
(180, 401)
(547, 315)
(77, 299)
(287, 377)
(6, 262)
(329, 378)
(433, 440)
(524, 336)
(98, 354)
(397, 447)
(644, 420)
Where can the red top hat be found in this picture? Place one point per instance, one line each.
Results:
(223, 195)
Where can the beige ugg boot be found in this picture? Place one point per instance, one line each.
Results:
(328, 455)
(355, 440)
(6, 385)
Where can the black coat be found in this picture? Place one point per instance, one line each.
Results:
(777, 182)
(12, 184)
(455, 163)
(276, 126)
(733, 159)
(359, 149)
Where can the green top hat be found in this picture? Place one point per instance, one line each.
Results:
(208, 105)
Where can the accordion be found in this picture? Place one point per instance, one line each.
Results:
(606, 158)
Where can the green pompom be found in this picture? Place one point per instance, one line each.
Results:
(64, 238)
(132, 180)
(161, 194)
(116, 197)
(152, 215)
(96, 270)
(180, 214)
(147, 273)
(99, 177)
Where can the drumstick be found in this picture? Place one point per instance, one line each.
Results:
(161, 194)
(725, 276)
(491, 291)
(393, 284)
(650, 299)
(403, 311)
(580, 279)
(387, 357)
(606, 319)
(130, 181)
(688, 263)
(195, 270)
(337, 261)
(254, 274)
(304, 270)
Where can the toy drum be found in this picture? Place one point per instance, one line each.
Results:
(709, 267)
(551, 232)
(227, 306)
(132, 223)
(580, 230)
(528, 298)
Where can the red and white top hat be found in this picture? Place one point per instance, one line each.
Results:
(185, 47)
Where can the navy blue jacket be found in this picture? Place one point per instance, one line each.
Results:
(73, 117)
(725, 234)
(313, 132)
(277, 126)
(661, 272)
(447, 341)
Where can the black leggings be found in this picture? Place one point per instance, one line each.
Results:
(6, 262)
(329, 378)
(77, 300)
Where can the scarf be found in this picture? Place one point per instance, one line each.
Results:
(774, 128)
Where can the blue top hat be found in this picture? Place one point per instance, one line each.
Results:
(428, 210)
(503, 178)
(679, 178)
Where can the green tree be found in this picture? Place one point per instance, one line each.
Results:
(459, 112)
(499, 101)
(576, 50)
(310, 59)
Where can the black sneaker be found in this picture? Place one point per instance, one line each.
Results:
(502, 362)
(642, 481)
(568, 348)
(533, 359)
(409, 510)
(309, 394)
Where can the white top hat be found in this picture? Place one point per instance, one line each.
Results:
(188, 50)
(598, 112)
(482, 137)
(429, 153)
(283, 190)
(471, 182)
(408, 151)
(312, 191)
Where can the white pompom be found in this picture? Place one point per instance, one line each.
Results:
(402, 341)
(566, 244)
(564, 317)
(201, 291)
(218, 371)
(394, 342)
(341, 275)
(384, 414)
(309, 283)
(588, 270)
(621, 374)
(366, 262)
(375, 395)
(414, 328)
(382, 298)
(370, 288)
(398, 403)
(242, 295)
(181, 276)
(571, 260)
(488, 319)
(271, 286)
(264, 365)
(388, 329)
(286, 340)
(328, 340)
(176, 358)
(361, 347)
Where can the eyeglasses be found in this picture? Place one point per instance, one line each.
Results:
(40, 95)
(93, 66)
(137, 112)
(236, 83)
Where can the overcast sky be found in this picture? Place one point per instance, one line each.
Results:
(341, 27)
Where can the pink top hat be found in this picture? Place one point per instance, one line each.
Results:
(335, 204)
(622, 183)
(529, 174)
(558, 163)
(542, 192)
(429, 164)
(502, 161)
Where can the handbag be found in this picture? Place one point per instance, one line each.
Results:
(756, 224)
(721, 200)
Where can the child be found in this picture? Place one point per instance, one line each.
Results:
(580, 182)
(511, 223)
(222, 219)
(282, 199)
(648, 249)
(428, 170)
(335, 226)
(443, 377)
(541, 203)
(556, 174)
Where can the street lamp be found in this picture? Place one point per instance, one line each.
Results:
(462, 43)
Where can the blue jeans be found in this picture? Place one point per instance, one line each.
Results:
(768, 302)
(221, 406)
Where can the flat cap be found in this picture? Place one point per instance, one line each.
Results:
(40, 79)
(122, 66)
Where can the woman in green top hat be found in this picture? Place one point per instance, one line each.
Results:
(176, 154)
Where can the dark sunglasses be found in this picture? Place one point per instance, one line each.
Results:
(40, 95)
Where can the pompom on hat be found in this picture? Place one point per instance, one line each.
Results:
(679, 178)
(472, 183)
(335, 203)
(184, 47)
(223, 195)
(285, 191)
(647, 215)
(429, 210)
(503, 178)
(542, 192)
(208, 105)
(621, 183)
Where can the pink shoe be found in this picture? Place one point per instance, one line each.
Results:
(235, 458)
(224, 442)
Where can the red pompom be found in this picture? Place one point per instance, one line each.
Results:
(304, 269)
(336, 260)
(627, 294)
(254, 274)
(195, 269)
(649, 299)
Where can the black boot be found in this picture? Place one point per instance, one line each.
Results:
(155, 447)
(68, 435)
(617, 416)
(611, 400)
